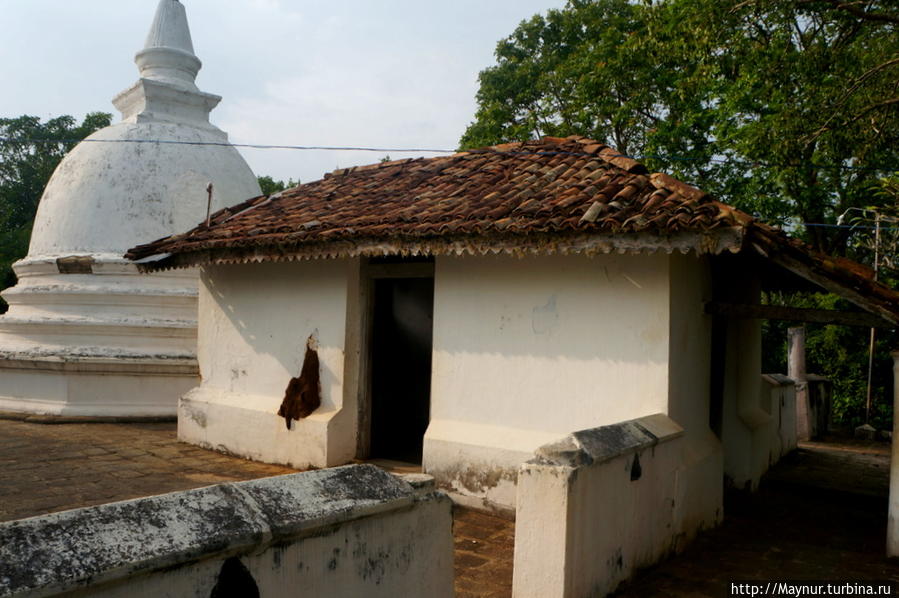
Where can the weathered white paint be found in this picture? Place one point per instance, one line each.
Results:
(893, 524)
(352, 531)
(107, 195)
(477, 464)
(523, 351)
(534, 347)
(746, 426)
(700, 486)
(596, 506)
(760, 410)
(254, 323)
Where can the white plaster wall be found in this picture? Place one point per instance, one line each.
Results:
(747, 424)
(580, 531)
(350, 531)
(699, 503)
(399, 553)
(533, 348)
(554, 343)
(254, 323)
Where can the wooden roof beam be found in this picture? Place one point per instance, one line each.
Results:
(796, 314)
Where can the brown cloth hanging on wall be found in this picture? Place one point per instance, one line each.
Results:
(303, 394)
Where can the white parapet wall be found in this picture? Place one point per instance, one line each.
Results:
(598, 505)
(349, 531)
(762, 431)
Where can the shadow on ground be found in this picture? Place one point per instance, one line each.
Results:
(820, 514)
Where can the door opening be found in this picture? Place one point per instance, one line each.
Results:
(401, 344)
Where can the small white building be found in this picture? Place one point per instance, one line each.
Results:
(469, 309)
(86, 335)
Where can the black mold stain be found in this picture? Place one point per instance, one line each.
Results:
(235, 581)
(304, 394)
(636, 469)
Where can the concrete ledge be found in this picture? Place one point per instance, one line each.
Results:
(61, 552)
(96, 360)
(601, 504)
(778, 380)
(598, 445)
(31, 418)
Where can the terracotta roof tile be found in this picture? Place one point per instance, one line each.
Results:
(548, 185)
(534, 196)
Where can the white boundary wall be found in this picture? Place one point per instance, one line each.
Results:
(598, 505)
(349, 531)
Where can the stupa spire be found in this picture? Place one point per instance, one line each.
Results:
(167, 89)
(168, 54)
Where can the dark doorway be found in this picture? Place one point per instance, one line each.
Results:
(401, 343)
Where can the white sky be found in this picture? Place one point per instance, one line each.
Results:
(385, 73)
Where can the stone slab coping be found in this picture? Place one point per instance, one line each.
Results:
(50, 554)
(598, 445)
(778, 380)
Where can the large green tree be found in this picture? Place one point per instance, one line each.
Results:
(788, 109)
(30, 150)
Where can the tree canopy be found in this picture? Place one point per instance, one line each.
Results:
(25, 169)
(786, 109)
(269, 185)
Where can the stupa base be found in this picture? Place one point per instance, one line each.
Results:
(87, 387)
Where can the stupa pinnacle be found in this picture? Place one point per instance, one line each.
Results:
(168, 54)
(86, 334)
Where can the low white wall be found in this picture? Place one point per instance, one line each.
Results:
(783, 409)
(762, 431)
(814, 397)
(351, 531)
(526, 350)
(596, 506)
(254, 323)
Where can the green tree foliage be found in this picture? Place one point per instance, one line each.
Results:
(787, 109)
(25, 169)
(270, 185)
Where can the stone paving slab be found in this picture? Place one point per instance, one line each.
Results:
(820, 514)
(484, 550)
(49, 468)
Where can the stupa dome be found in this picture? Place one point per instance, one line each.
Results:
(87, 334)
(119, 187)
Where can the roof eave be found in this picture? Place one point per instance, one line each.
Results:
(711, 242)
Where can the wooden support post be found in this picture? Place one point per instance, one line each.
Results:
(893, 523)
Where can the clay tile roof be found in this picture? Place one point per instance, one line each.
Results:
(554, 195)
(549, 187)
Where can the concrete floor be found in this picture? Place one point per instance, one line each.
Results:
(821, 513)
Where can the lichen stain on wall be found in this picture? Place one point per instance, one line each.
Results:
(545, 317)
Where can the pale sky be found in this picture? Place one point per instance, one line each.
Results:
(384, 73)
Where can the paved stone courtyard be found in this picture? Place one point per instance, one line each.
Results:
(48, 468)
(821, 513)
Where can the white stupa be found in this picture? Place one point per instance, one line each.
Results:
(86, 334)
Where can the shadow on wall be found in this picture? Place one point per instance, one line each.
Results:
(576, 308)
(261, 318)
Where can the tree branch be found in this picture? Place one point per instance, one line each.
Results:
(855, 10)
